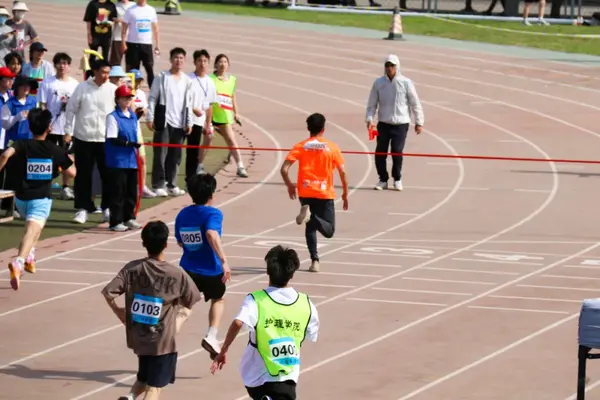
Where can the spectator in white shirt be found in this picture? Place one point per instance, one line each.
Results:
(54, 94)
(86, 114)
(116, 51)
(204, 95)
(394, 97)
(170, 117)
(139, 30)
(37, 68)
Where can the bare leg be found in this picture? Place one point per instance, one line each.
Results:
(210, 342)
(206, 141)
(33, 229)
(152, 393)
(227, 132)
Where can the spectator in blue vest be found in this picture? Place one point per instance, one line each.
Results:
(122, 131)
(16, 108)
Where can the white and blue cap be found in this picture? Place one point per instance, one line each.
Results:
(116, 71)
(137, 73)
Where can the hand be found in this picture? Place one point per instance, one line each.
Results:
(218, 363)
(418, 129)
(67, 138)
(157, 51)
(370, 125)
(292, 191)
(187, 130)
(345, 201)
(150, 125)
(226, 273)
(90, 39)
(120, 312)
(198, 112)
(123, 47)
(24, 114)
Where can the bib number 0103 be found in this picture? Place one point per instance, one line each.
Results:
(146, 309)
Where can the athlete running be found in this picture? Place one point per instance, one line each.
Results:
(36, 163)
(317, 158)
(198, 231)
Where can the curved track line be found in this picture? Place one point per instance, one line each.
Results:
(266, 179)
(429, 211)
(523, 221)
(414, 48)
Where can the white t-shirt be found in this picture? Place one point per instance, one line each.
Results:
(56, 93)
(112, 126)
(204, 93)
(252, 366)
(121, 9)
(140, 20)
(175, 99)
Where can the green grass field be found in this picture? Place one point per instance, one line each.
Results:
(61, 218)
(464, 30)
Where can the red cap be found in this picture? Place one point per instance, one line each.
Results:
(123, 91)
(6, 73)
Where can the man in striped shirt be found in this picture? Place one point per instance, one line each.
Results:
(394, 97)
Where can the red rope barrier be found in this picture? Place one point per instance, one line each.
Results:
(372, 153)
(140, 175)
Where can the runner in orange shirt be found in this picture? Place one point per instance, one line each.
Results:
(318, 158)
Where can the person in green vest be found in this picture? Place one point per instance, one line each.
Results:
(225, 110)
(278, 319)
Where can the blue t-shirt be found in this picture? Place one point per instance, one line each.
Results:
(191, 225)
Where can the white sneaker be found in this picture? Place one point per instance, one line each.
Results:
(381, 186)
(544, 22)
(106, 215)
(67, 194)
(303, 215)
(314, 266)
(81, 216)
(241, 172)
(161, 192)
(118, 228)
(212, 346)
(176, 191)
(147, 193)
(200, 170)
(98, 210)
(133, 224)
(398, 186)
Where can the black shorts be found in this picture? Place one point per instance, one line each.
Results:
(212, 287)
(157, 371)
(285, 390)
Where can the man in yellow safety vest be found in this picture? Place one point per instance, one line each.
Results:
(279, 319)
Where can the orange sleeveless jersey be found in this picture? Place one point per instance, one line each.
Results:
(317, 158)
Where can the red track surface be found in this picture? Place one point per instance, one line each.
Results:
(464, 286)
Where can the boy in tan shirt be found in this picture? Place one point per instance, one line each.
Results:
(158, 299)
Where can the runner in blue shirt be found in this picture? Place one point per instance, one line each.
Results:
(198, 231)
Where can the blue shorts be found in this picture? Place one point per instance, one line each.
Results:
(34, 210)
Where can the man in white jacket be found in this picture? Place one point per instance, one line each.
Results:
(86, 114)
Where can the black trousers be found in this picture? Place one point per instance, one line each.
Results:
(166, 160)
(394, 135)
(123, 182)
(322, 220)
(103, 41)
(285, 390)
(140, 53)
(88, 154)
(191, 155)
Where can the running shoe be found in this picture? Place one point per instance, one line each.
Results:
(15, 274)
(30, 262)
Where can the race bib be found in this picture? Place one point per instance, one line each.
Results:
(225, 101)
(39, 169)
(284, 351)
(143, 25)
(146, 309)
(191, 238)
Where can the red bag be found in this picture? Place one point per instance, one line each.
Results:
(373, 133)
